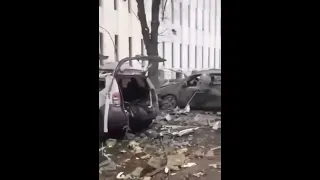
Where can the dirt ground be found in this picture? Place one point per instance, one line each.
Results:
(151, 143)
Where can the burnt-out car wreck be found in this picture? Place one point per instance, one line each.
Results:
(201, 90)
(127, 97)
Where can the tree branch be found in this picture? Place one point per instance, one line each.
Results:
(164, 9)
(143, 22)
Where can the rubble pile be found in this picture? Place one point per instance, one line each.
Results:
(176, 141)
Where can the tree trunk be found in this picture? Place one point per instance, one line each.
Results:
(150, 38)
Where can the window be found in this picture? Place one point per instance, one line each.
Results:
(130, 49)
(219, 58)
(181, 14)
(129, 6)
(181, 55)
(214, 57)
(202, 58)
(172, 12)
(215, 18)
(163, 51)
(209, 15)
(188, 56)
(172, 55)
(196, 18)
(208, 57)
(195, 56)
(203, 20)
(188, 15)
(142, 48)
(100, 43)
(115, 4)
(116, 48)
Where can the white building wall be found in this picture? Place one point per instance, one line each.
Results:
(123, 22)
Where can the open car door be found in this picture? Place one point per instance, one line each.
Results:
(124, 65)
(146, 69)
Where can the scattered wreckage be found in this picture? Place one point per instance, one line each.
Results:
(127, 98)
(201, 90)
(168, 148)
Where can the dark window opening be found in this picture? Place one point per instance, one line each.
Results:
(203, 20)
(163, 51)
(188, 15)
(129, 6)
(214, 57)
(116, 48)
(181, 14)
(172, 12)
(181, 55)
(130, 49)
(100, 43)
(196, 18)
(115, 4)
(188, 56)
(172, 55)
(195, 55)
(219, 58)
(202, 58)
(209, 57)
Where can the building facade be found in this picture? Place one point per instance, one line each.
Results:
(189, 32)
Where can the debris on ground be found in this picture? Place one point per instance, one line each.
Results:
(123, 151)
(209, 155)
(175, 161)
(216, 148)
(130, 136)
(166, 148)
(111, 142)
(199, 153)
(147, 156)
(199, 174)
(190, 164)
(185, 131)
(121, 176)
(135, 147)
(216, 166)
(216, 125)
(182, 151)
(204, 119)
(137, 172)
(155, 162)
(152, 133)
(108, 165)
(168, 117)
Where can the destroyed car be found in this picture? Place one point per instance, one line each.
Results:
(127, 98)
(191, 91)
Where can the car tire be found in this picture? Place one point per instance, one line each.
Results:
(169, 102)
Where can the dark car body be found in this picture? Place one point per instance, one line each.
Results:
(116, 112)
(198, 97)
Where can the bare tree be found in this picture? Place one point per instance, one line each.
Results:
(150, 38)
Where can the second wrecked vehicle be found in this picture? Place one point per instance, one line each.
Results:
(191, 91)
(127, 98)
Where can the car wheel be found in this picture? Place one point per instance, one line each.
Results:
(169, 102)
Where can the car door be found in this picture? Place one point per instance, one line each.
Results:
(214, 95)
(104, 103)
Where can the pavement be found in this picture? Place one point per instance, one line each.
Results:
(177, 146)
